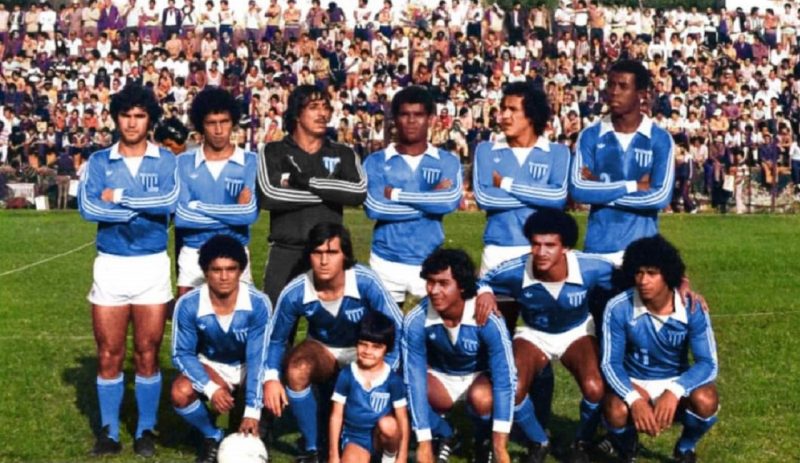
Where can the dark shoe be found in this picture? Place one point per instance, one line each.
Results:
(483, 452)
(684, 457)
(606, 447)
(446, 448)
(579, 452)
(208, 454)
(145, 446)
(105, 445)
(537, 452)
(630, 455)
(308, 457)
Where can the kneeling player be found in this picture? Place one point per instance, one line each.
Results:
(370, 400)
(550, 284)
(333, 296)
(219, 343)
(647, 335)
(447, 357)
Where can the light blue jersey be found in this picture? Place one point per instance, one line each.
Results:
(409, 225)
(196, 330)
(334, 326)
(209, 206)
(619, 213)
(638, 344)
(135, 222)
(540, 180)
(364, 406)
(427, 344)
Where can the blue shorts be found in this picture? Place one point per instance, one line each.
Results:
(358, 437)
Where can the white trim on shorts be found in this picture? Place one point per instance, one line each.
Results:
(614, 257)
(126, 280)
(455, 385)
(655, 387)
(344, 355)
(190, 275)
(233, 375)
(553, 345)
(398, 278)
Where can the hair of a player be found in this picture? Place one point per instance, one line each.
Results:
(213, 100)
(222, 246)
(641, 75)
(534, 104)
(547, 221)
(378, 328)
(413, 94)
(460, 265)
(300, 97)
(325, 231)
(654, 251)
(134, 95)
(171, 129)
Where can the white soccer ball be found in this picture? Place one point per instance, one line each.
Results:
(240, 448)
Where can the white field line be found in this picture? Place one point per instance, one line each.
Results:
(45, 260)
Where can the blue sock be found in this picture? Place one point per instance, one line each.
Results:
(624, 438)
(148, 393)
(590, 418)
(304, 407)
(525, 417)
(694, 428)
(541, 393)
(109, 394)
(482, 425)
(197, 415)
(439, 426)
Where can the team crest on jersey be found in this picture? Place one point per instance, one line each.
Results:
(240, 334)
(201, 326)
(537, 170)
(470, 345)
(576, 299)
(234, 186)
(643, 157)
(496, 159)
(676, 338)
(354, 315)
(431, 175)
(379, 401)
(149, 182)
(330, 163)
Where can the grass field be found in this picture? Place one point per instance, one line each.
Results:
(748, 268)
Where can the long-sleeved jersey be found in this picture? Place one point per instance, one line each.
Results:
(135, 222)
(619, 213)
(638, 344)
(409, 224)
(363, 406)
(428, 344)
(337, 326)
(541, 180)
(336, 180)
(197, 331)
(208, 206)
(541, 310)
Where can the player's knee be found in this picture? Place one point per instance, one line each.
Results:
(146, 362)
(109, 361)
(387, 427)
(298, 374)
(480, 400)
(593, 388)
(182, 393)
(615, 411)
(704, 401)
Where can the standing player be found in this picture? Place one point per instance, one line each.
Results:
(551, 285)
(305, 179)
(369, 400)
(219, 343)
(447, 357)
(334, 295)
(130, 189)
(410, 186)
(647, 335)
(217, 184)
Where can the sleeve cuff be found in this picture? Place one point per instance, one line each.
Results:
(117, 195)
(271, 375)
(339, 398)
(395, 196)
(252, 412)
(193, 204)
(210, 389)
(424, 435)
(400, 403)
(630, 186)
(676, 389)
(501, 426)
(505, 184)
(632, 397)
(485, 289)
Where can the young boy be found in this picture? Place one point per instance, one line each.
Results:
(369, 400)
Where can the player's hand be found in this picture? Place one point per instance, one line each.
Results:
(692, 298)
(425, 452)
(107, 195)
(665, 408)
(500, 447)
(249, 427)
(245, 196)
(643, 184)
(222, 400)
(643, 417)
(275, 397)
(497, 179)
(485, 305)
(587, 174)
(297, 178)
(333, 457)
(444, 184)
(387, 192)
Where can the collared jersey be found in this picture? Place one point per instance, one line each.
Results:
(197, 331)
(427, 344)
(539, 181)
(136, 224)
(409, 225)
(540, 310)
(363, 291)
(619, 217)
(208, 206)
(638, 344)
(364, 406)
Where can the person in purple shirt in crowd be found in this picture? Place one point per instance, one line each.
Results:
(768, 155)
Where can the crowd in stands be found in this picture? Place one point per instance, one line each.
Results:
(726, 83)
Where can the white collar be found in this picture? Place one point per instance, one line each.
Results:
(573, 271)
(237, 156)
(541, 142)
(204, 301)
(350, 286)
(152, 151)
(384, 375)
(679, 314)
(645, 127)
(467, 317)
(391, 151)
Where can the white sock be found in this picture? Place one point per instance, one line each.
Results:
(388, 457)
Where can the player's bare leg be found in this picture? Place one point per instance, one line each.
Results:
(480, 404)
(699, 416)
(529, 360)
(581, 359)
(440, 403)
(622, 430)
(353, 453)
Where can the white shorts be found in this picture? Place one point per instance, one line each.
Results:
(553, 345)
(124, 280)
(494, 255)
(398, 278)
(190, 275)
(233, 375)
(614, 257)
(456, 386)
(344, 355)
(654, 387)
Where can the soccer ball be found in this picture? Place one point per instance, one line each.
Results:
(240, 448)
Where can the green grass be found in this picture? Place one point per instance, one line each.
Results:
(746, 266)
